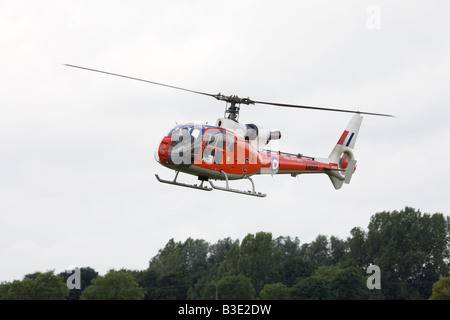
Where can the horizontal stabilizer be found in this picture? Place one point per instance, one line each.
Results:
(349, 171)
(337, 182)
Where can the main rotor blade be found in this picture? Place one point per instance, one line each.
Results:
(231, 99)
(323, 109)
(132, 78)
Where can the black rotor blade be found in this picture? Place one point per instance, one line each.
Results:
(132, 78)
(321, 108)
(231, 99)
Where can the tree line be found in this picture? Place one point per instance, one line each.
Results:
(411, 249)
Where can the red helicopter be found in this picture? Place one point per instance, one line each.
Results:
(231, 150)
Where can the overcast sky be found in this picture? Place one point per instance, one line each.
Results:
(77, 184)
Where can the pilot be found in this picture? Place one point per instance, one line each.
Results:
(187, 140)
(186, 136)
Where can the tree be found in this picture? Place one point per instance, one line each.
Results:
(148, 280)
(317, 252)
(218, 252)
(337, 250)
(194, 255)
(292, 265)
(358, 253)
(236, 287)
(17, 290)
(48, 286)
(312, 288)
(274, 291)
(178, 266)
(217, 256)
(411, 250)
(36, 286)
(168, 259)
(441, 289)
(115, 285)
(346, 283)
(204, 289)
(169, 286)
(332, 283)
(258, 258)
(230, 266)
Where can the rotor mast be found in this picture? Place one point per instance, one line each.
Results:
(232, 110)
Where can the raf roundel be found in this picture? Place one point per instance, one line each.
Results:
(275, 164)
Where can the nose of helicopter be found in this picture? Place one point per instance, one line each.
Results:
(162, 152)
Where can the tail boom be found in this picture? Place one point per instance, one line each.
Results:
(339, 166)
(287, 163)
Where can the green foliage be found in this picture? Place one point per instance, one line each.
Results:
(236, 287)
(17, 290)
(258, 258)
(148, 280)
(177, 267)
(332, 283)
(317, 252)
(204, 289)
(357, 254)
(441, 289)
(115, 285)
(231, 263)
(171, 286)
(218, 252)
(293, 263)
(275, 291)
(411, 249)
(346, 283)
(312, 288)
(36, 286)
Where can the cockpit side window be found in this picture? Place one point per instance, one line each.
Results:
(215, 138)
(214, 146)
(186, 143)
(230, 142)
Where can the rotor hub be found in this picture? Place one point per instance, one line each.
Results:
(232, 110)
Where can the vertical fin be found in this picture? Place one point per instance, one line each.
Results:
(343, 155)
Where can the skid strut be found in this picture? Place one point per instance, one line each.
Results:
(174, 182)
(227, 188)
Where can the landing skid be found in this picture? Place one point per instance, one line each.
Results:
(227, 188)
(174, 182)
(205, 188)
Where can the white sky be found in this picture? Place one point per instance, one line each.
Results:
(77, 183)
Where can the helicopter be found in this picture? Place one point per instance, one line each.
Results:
(230, 150)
